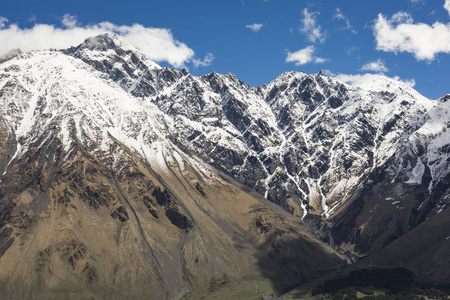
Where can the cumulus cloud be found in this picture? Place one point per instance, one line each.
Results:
(401, 34)
(370, 80)
(338, 15)
(375, 66)
(207, 60)
(310, 27)
(304, 56)
(447, 6)
(157, 43)
(255, 27)
(69, 21)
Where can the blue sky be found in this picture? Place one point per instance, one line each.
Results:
(255, 39)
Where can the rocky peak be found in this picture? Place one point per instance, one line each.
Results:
(445, 98)
(309, 143)
(214, 81)
(10, 55)
(104, 42)
(305, 142)
(104, 45)
(124, 64)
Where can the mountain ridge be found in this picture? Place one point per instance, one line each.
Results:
(273, 102)
(102, 128)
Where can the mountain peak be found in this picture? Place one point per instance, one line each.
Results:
(288, 75)
(10, 55)
(445, 98)
(110, 46)
(106, 41)
(119, 153)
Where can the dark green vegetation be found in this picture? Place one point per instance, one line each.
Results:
(397, 283)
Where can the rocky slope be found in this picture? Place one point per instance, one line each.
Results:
(116, 170)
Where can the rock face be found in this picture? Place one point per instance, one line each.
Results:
(115, 170)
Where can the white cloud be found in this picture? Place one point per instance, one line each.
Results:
(340, 16)
(304, 56)
(69, 21)
(352, 49)
(3, 21)
(255, 27)
(418, 2)
(157, 43)
(402, 17)
(320, 60)
(329, 73)
(32, 19)
(310, 28)
(207, 60)
(447, 6)
(401, 34)
(370, 80)
(375, 66)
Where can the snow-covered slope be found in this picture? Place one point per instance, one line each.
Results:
(305, 142)
(326, 152)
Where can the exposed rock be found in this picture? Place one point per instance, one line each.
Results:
(117, 171)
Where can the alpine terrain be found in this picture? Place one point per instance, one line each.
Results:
(123, 179)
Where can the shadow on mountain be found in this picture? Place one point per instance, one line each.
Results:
(290, 262)
(395, 283)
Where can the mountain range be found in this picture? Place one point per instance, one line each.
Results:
(122, 178)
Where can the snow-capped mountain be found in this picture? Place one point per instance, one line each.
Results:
(303, 141)
(101, 125)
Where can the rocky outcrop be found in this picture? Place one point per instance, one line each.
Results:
(115, 170)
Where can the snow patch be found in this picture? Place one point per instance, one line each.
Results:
(416, 174)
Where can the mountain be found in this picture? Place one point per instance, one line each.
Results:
(123, 178)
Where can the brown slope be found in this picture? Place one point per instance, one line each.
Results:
(424, 250)
(398, 224)
(76, 224)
